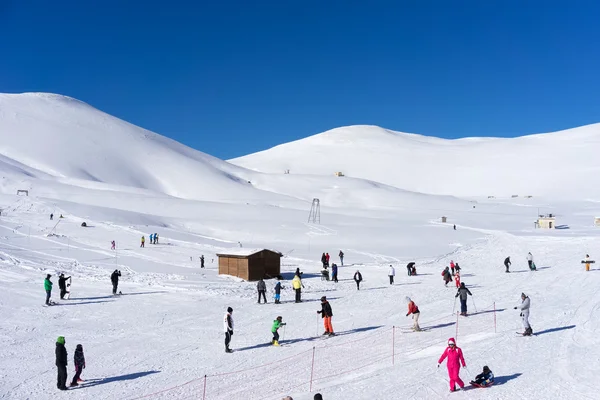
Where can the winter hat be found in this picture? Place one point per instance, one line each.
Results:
(48, 276)
(323, 298)
(279, 318)
(451, 341)
(462, 284)
(61, 340)
(523, 295)
(486, 369)
(318, 396)
(79, 347)
(408, 300)
(229, 309)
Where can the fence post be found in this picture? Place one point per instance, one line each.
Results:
(495, 330)
(312, 369)
(204, 392)
(456, 336)
(393, 343)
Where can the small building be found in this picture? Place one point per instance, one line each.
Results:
(339, 174)
(444, 219)
(250, 264)
(546, 221)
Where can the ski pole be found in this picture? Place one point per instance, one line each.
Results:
(283, 336)
(474, 306)
(317, 334)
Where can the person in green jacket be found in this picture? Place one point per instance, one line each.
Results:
(276, 325)
(48, 288)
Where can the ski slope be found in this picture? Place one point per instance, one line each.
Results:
(164, 334)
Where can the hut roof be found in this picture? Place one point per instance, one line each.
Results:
(240, 252)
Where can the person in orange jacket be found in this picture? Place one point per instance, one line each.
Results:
(414, 310)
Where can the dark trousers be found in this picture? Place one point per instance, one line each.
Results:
(262, 293)
(334, 277)
(463, 306)
(61, 381)
(276, 336)
(115, 284)
(342, 260)
(48, 294)
(77, 375)
(409, 271)
(227, 339)
(298, 295)
(530, 264)
(391, 280)
(358, 285)
(506, 265)
(62, 293)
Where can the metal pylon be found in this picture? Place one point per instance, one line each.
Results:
(315, 212)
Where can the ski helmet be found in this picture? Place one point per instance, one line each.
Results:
(229, 309)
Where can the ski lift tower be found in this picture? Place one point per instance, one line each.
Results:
(315, 212)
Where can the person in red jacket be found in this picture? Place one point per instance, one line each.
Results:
(414, 310)
(457, 279)
(455, 358)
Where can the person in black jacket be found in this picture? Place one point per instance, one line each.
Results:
(79, 361)
(262, 289)
(326, 314)
(507, 263)
(357, 279)
(62, 284)
(61, 363)
(409, 268)
(114, 278)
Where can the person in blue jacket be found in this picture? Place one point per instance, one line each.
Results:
(334, 272)
(486, 378)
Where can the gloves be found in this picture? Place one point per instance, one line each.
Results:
(438, 365)
(318, 312)
(283, 324)
(407, 315)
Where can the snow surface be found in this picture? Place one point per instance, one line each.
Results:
(165, 333)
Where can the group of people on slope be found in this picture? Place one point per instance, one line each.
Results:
(530, 263)
(61, 364)
(153, 239)
(455, 359)
(325, 259)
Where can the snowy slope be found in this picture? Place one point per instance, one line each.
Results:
(555, 164)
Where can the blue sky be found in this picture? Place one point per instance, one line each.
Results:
(235, 77)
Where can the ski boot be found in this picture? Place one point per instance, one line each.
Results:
(276, 343)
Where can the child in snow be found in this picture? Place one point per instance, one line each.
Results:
(326, 314)
(143, 241)
(277, 292)
(414, 310)
(48, 288)
(486, 378)
(457, 279)
(276, 325)
(334, 272)
(463, 292)
(455, 358)
(79, 361)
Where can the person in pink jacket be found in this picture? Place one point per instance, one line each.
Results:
(455, 358)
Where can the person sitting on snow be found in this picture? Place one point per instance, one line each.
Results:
(486, 378)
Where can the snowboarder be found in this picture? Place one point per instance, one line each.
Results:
(48, 288)
(341, 258)
(262, 289)
(587, 262)
(414, 310)
(357, 279)
(326, 314)
(114, 278)
(324, 260)
(276, 325)
(452, 266)
(484, 379)
(228, 327)
(297, 285)
(409, 268)
(463, 292)
(62, 285)
(455, 358)
(143, 241)
(79, 361)
(61, 363)
(202, 261)
(507, 264)
(327, 259)
(277, 292)
(446, 276)
(524, 307)
(334, 272)
(113, 245)
(51, 217)
(391, 274)
(457, 279)
(530, 262)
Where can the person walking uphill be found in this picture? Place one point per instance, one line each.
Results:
(357, 279)
(79, 361)
(463, 292)
(507, 263)
(297, 285)
(326, 314)
(48, 288)
(524, 307)
(391, 274)
(62, 284)
(414, 310)
(276, 325)
(262, 289)
(61, 363)
(341, 258)
(114, 278)
(455, 358)
(228, 327)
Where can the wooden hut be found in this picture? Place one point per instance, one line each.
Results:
(250, 264)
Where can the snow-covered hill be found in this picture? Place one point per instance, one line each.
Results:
(560, 164)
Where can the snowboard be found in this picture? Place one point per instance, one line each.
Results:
(588, 262)
(68, 294)
(477, 385)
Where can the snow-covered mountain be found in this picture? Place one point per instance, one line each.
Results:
(560, 164)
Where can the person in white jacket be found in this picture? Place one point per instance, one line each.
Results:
(228, 327)
(391, 274)
(524, 307)
(530, 261)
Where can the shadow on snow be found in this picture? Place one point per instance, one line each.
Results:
(560, 328)
(113, 296)
(128, 377)
(501, 380)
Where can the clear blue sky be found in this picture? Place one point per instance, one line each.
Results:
(233, 77)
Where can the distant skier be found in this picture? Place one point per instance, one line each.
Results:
(334, 272)
(143, 242)
(452, 266)
(228, 327)
(79, 361)
(324, 260)
(341, 258)
(261, 286)
(61, 363)
(278, 292)
(456, 267)
(524, 307)
(156, 238)
(51, 217)
(455, 358)
(276, 325)
(113, 245)
(114, 278)
(391, 274)
(358, 279)
(151, 237)
(409, 268)
(507, 264)
(414, 310)
(327, 259)
(202, 261)
(462, 293)
(48, 288)
(587, 262)
(62, 285)
(454, 226)
(484, 379)
(326, 314)
(297, 285)
(457, 279)
(530, 262)
(446, 276)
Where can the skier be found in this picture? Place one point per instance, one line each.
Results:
(587, 262)
(507, 263)
(62, 285)
(297, 285)
(113, 245)
(463, 292)
(151, 237)
(228, 327)
(276, 325)
(452, 266)
(530, 262)
(61, 363)
(457, 279)
(278, 292)
(455, 358)
(446, 276)
(357, 279)
(455, 227)
(262, 289)
(156, 238)
(51, 217)
(334, 272)
(114, 278)
(524, 307)
(324, 260)
(79, 361)
(391, 274)
(456, 267)
(48, 288)
(326, 314)
(143, 241)
(414, 310)
(327, 258)
(202, 261)
(410, 267)
(341, 258)
(484, 379)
